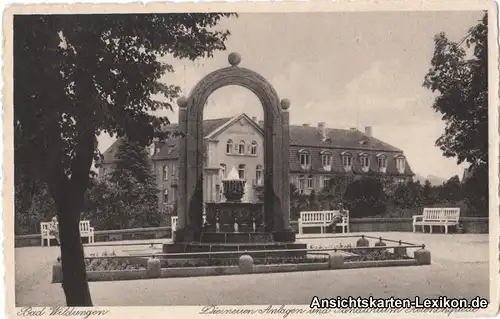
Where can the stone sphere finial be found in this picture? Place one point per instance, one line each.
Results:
(285, 104)
(234, 59)
(182, 101)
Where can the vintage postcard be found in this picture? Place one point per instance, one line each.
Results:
(274, 160)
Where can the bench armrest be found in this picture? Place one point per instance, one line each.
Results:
(91, 229)
(416, 217)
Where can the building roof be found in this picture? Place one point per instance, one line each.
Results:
(337, 138)
(301, 137)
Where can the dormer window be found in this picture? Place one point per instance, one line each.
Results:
(253, 148)
(347, 160)
(400, 164)
(241, 147)
(326, 160)
(382, 162)
(305, 159)
(364, 160)
(229, 147)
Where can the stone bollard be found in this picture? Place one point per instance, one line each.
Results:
(153, 269)
(362, 242)
(423, 256)
(246, 264)
(380, 243)
(336, 260)
(57, 274)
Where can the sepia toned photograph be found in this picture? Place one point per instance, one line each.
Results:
(317, 163)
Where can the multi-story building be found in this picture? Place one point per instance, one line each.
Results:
(316, 154)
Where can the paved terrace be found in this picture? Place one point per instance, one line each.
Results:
(459, 269)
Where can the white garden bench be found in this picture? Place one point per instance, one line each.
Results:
(85, 231)
(443, 217)
(323, 219)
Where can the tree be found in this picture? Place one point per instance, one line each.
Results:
(365, 197)
(137, 185)
(408, 195)
(475, 191)
(462, 84)
(33, 204)
(77, 76)
(451, 190)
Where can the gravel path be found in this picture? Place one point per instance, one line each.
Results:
(459, 269)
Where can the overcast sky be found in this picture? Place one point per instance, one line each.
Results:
(346, 69)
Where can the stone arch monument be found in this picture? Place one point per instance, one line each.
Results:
(276, 153)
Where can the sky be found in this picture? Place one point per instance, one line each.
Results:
(352, 69)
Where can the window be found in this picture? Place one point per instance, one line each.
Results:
(165, 172)
(365, 162)
(400, 164)
(174, 170)
(310, 182)
(305, 159)
(258, 174)
(347, 161)
(382, 162)
(165, 196)
(229, 146)
(326, 161)
(241, 171)
(326, 182)
(222, 171)
(241, 147)
(302, 184)
(253, 148)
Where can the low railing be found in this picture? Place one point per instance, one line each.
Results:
(400, 244)
(307, 250)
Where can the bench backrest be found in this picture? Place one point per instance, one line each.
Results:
(441, 214)
(324, 216)
(451, 213)
(44, 226)
(432, 214)
(84, 226)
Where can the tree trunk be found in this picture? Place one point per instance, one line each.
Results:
(75, 284)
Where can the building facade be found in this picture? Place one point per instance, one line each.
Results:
(316, 155)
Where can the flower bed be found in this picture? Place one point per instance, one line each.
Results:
(364, 254)
(126, 264)
(235, 262)
(374, 255)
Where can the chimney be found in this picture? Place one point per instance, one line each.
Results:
(322, 130)
(305, 125)
(368, 131)
(254, 118)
